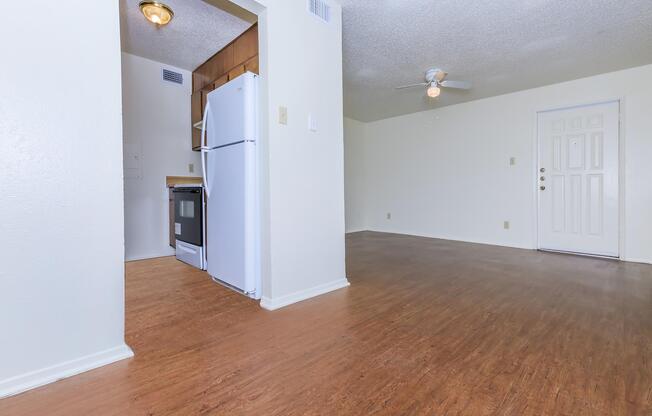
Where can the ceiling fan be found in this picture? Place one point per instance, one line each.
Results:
(435, 80)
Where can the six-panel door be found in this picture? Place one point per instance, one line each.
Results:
(578, 179)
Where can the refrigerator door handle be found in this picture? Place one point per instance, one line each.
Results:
(204, 152)
(204, 149)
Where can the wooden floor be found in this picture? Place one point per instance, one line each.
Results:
(427, 327)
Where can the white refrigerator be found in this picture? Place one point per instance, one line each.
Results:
(229, 166)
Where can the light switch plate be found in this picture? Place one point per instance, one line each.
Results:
(283, 115)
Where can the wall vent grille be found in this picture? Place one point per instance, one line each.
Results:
(321, 9)
(172, 76)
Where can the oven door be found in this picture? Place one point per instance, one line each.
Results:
(188, 215)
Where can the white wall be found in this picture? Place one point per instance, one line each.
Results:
(445, 173)
(156, 127)
(354, 172)
(62, 278)
(306, 169)
(303, 171)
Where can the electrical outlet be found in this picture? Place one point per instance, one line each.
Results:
(191, 167)
(389, 215)
(506, 225)
(512, 161)
(283, 115)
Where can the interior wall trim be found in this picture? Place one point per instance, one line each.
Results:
(38, 378)
(137, 257)
(282, 301)
(357, 230)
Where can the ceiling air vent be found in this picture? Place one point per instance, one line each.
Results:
(321, 9)
(172, 76)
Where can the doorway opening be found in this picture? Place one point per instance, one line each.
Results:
(169, 71)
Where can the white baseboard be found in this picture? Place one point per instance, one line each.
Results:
(148, 256)
(457, 239)
(38, 378)
(356, 230)
(491, 243)
(635, 260)
(276, 303)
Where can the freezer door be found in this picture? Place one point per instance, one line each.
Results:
(230, 218)
(232, 110)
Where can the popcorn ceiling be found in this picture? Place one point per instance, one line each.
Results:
(501, 46)
(196, 32)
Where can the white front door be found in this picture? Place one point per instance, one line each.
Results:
(578, 179)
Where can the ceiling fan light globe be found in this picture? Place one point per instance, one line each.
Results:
(433, 91)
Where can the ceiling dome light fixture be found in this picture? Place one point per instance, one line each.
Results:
(433, 91)
(156, 12)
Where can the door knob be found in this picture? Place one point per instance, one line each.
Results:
(542, 170)
(543, 178)
(543, 188)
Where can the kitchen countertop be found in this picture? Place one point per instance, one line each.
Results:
(170, 181)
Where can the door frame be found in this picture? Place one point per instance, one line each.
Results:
(621, 169)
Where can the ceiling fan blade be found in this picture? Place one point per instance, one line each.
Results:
(402, 87)
(440, 76)
(462, 85)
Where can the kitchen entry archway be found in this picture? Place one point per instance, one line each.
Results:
(578, 179)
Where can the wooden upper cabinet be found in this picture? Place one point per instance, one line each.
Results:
(221, 81)
(211, 67)
(195, 107)
(233, 60)
(228, 60)
(236, 72)
(246, 45)
(252, 65)
(196, 115)
(216, 66)
(202, 75)
(196, 139)
(204, 97)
